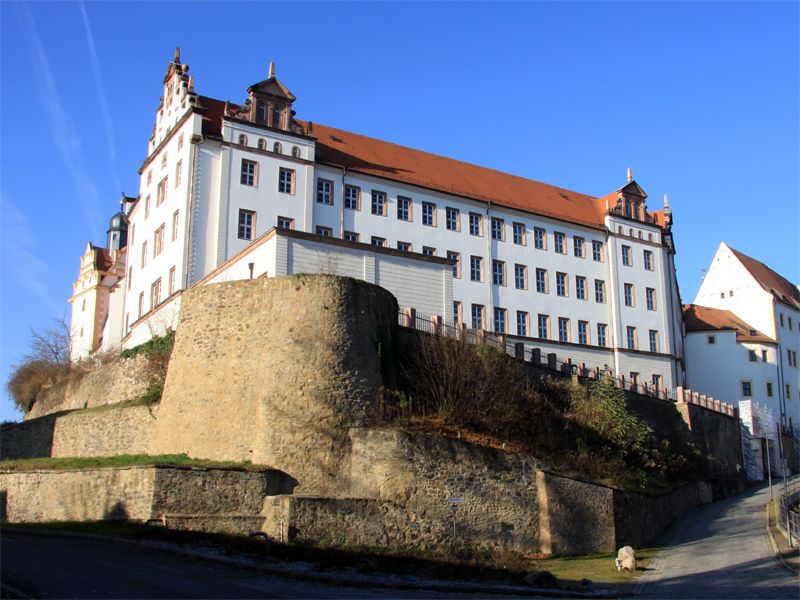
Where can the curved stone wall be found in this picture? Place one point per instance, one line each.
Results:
(276, 371)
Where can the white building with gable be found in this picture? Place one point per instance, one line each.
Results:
(238, 190)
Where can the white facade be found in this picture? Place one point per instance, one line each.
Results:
(768, 303)
(219, 176)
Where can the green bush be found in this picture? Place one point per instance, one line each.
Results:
(157, 346)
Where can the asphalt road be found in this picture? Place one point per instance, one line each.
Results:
(721, 550)
(63, 567)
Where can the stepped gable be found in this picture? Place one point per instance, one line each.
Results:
(777, 285)
(705, 318)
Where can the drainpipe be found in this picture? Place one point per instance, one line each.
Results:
(612, 298)
(341, 207)
(489, 271)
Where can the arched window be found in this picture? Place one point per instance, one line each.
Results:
(242, 139)
(276, 116)
(262, 144)
(277, 148)
(619, 229)
(261, 117)
(630, 232)
(649, 237)
(295, 151)
(640, 234)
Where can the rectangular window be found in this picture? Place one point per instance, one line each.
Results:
(324, 231)
(498, 229)
(175, 225)
(130, 277)
(286, 181)
(522, 323)
(161, 192)
(285, 223)
(651, 298)
(770, 391)
(764, 356)
(712, 339)
(648, 260)
(601, 334)
(752, 356)
(350, 236)
(247, 219)
(475, 268)
(475, 224)
(631, 338)
(429, 214)
(521, 277)
(457, 317)
(789, 319)
(628, 294)
(560, 242)
(597, 251)
(599, 291)
(653, 335)
(747, 389)
(249, 172)
(378, 241)
(626, 256)
(147, 206)
(453, 219)
(455, 256)
(477, 316)
(539, 239)
(543, 323)
(404, 246)
(325, 191)
(541, 281)
(172, 281)
(141, 304)
(781, 315)
(583, 332)
(178, 169)
(563, 329)
(498, 272)
(378, 203)
(352, 197)
(499, 320)
(788, 391)
(155, 293)
(144, 253)
(579, 246)
(561, 284)
(158, 240)
(580, 287)
(656, 381)
(519, 233)
(403, 208)
(428, 251)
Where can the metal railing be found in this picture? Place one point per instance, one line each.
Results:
(789, 514)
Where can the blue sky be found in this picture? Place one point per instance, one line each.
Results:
(700, 99)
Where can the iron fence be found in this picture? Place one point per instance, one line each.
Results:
(789, 514)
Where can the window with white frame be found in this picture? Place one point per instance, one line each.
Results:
(158, 240)
(175, 223)
(378, 203)
(583, 332)
(403, 208)
(352, 197)
(656, 379)
(475, 224)
(498, 272)
(519, 233)
(541, 281)
(521, 277)
(628, 294)
(249, 172)
(325, 191)
(627, 258)
(178, 172)
(457, 317)
(631, 337)
(563, 329)
(580, 287)
(428, 251)
(453, 219)
(560, 242)
(602, 328)
(747, 389)
(144, 253)
(543, 326)
(561, 284)
(477, 316)
(378, 241)
(648, 260)
(285, 223)
(498, 229)
(770, 390)
(539, 238)
(522, 323)
(171, 281)
(597, 251)
(455, 256)
(155, 293)
(350, 236)
(404, 246)
(651, 298)
(476, 268)
(147, 206)
(429, 214)
(653, 336)
(161, 192)
(579, 246)
(499, 320)
(247, 221)
(141, 304)
(324, 231)
(286, 181)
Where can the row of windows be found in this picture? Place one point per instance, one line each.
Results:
(277, 147)
(780, 318)
(543, 330)
(155, 295)
(627, 257)
(249, 176)
(747, 389)
(158, 241)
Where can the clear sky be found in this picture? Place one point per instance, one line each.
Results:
(700, 99)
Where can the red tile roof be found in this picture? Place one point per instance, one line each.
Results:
(778, 286)
(103, 260)
(705, 318)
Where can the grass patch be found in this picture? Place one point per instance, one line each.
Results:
(598, 567)
(123, 460)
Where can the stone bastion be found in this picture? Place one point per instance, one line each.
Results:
(276, 371)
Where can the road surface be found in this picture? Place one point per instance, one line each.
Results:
(721, 550)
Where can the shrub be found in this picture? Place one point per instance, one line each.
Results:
(156, 346)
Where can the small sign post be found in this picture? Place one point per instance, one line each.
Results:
(454, 505)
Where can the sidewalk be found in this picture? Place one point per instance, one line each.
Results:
(789, 557)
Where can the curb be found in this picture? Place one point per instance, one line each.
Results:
(775, 550)
(343, 581)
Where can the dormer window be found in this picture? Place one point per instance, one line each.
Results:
(277, 148)
(276, 117)
(261, 115)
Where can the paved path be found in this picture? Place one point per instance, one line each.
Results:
(721, 550)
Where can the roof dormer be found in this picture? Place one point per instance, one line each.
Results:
(269, 103)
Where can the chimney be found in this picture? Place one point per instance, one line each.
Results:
(630, 174)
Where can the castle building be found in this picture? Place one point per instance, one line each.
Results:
(246, 190)
(743, 336)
